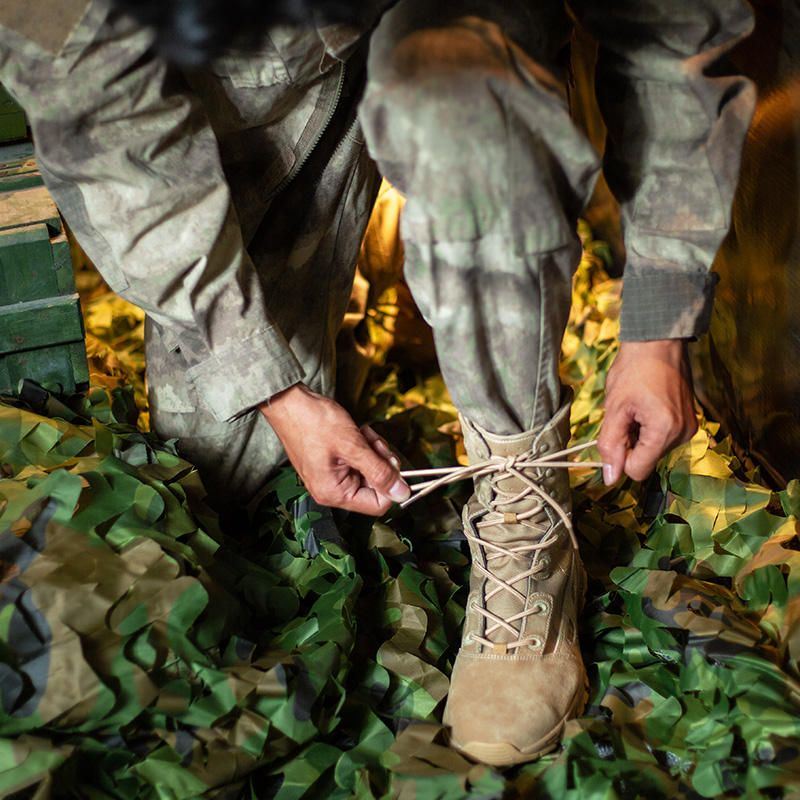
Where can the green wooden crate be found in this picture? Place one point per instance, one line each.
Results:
(12, 118)
(41, 327)
(18, 168)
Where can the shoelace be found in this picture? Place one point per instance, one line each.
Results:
(498, 468)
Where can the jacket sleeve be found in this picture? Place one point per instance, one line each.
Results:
(133, 164)
(676, 120)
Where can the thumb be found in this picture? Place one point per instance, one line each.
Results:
(614, 441)
(377, 471)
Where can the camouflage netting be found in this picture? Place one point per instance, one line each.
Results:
(144, 655)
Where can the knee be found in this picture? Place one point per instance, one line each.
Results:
(434, 91)
(475, 134)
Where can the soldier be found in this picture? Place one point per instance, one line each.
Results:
(229, 200)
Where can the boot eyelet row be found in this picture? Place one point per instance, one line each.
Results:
(538, 623)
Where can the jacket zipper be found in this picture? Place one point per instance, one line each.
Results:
(301, 162)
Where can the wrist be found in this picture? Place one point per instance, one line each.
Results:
(670, 351)
(277, 404)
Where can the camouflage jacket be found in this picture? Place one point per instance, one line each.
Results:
(144, 162)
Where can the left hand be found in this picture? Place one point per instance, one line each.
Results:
(649, 407)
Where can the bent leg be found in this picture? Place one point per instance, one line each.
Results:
(467, 116)
(244, 298)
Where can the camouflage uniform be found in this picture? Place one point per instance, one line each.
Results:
(230, 203)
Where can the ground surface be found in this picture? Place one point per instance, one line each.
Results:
(144, 655)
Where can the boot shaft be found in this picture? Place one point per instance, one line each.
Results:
(522, 581)
(550, 438)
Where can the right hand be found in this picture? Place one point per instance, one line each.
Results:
(341, 465)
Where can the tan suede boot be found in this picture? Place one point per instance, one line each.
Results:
(519, 675)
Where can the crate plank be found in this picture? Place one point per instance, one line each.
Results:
(40, 323)
(27, 271)
(61, 368)
(25, 166)
(28, 207)
(12, 118)
(24, 180)
(17, 152)
(12, 127)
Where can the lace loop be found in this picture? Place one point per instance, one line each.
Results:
(497, 469)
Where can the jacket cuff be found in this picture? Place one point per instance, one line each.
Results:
(666, 304)
(236, 378)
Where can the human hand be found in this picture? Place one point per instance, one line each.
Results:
(649, 407)
(341, 465)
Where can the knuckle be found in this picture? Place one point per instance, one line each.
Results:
(670, 422)
(350, 445)
(676, 418)
(638, 473)
(383, 505)
(319, 497)
(324, 496)
(606, 437)
(382, 474)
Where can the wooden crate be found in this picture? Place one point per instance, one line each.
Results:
(12, 119)
(18, 169)
(41, 327)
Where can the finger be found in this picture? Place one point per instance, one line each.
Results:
(368, 501)
(378, 472)
(652, 444)
(614, 442)
(380, 445)
(351, 494)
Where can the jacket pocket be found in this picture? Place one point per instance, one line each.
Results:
(252, 69)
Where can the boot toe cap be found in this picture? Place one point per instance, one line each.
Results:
(504, 712)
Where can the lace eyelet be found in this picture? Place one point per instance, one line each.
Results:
(541, 607)
(535, 642)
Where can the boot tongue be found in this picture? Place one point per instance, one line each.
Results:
(491, 491)
(480, 446)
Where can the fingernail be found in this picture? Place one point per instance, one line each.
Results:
(399, 491)
(608, 474)
(386, 452)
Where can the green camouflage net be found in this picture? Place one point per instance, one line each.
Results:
(145, 656)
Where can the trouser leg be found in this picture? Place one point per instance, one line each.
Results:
(465, 112)
(304, 246)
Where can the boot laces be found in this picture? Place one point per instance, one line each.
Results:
(544, 533)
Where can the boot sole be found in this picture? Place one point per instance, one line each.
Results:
(504, 754)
